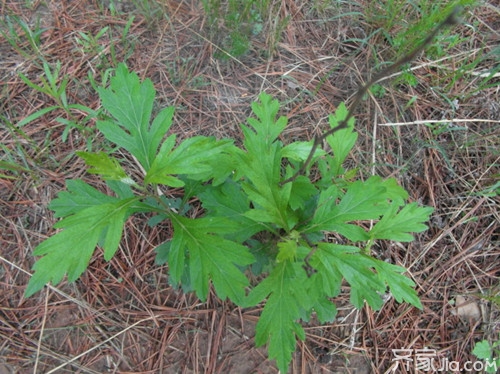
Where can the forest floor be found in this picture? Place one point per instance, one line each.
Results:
(435, 128)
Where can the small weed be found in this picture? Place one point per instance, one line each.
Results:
(102, 79)
(120, 47)
(113, 6)
(17, 33)
(181, 72)
(11, 165)
(485, 77)
(325, 8)
(404, 24)
(22, 156)
(151, 10)
(54, 86)
(378, 90)
(90, 43)
(234, 23)
(490, 353)
(440, 128)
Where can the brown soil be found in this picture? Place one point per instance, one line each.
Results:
(121, 316)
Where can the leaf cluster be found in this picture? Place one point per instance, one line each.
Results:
(289, 212)
(489, 352)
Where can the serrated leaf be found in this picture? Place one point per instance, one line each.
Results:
(229, 201)
(325, 309)
(326, 277)
(362, 201)
(267, 126)
(402, 287)
(101, 163)
(194, 157)
(299, 151)
(121, 189)
(162, 251)
(397, 225)
(393, 190)
(69, 251)
(337, 262)
(260, 165)
(485, 351)
(171, 181)
(211, 257)
(341, 141)
(352, 232)
(285, 292)
(130, 102)
(482, 350)
(262, 184)
(368, 277)
(302, 191)
(287, 250)
(79, 196)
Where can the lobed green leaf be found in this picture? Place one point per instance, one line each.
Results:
(259, 164)
(78, 196)
(69, 251)
(398, 224)
(229, 201)
(106, 166)
(130, 102)
(341, 141)
(211, 257)
(278, 326)
(356, 269)
(267, 126)
(194, 157)
(401, 287)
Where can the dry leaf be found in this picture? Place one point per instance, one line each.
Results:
(466, 308)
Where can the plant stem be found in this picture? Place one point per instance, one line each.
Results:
(362, 90)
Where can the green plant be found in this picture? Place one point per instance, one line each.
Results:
(487, 78)
(55, 87)
(485, 351)
(126, 43)
(234, 23)
(182, 72)
(10, 165)
(89, 43)
(289, 212)
(404, 24)
(9, 29)
(14, 159)
(151, 10)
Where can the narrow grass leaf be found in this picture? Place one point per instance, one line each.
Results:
(36, 115)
